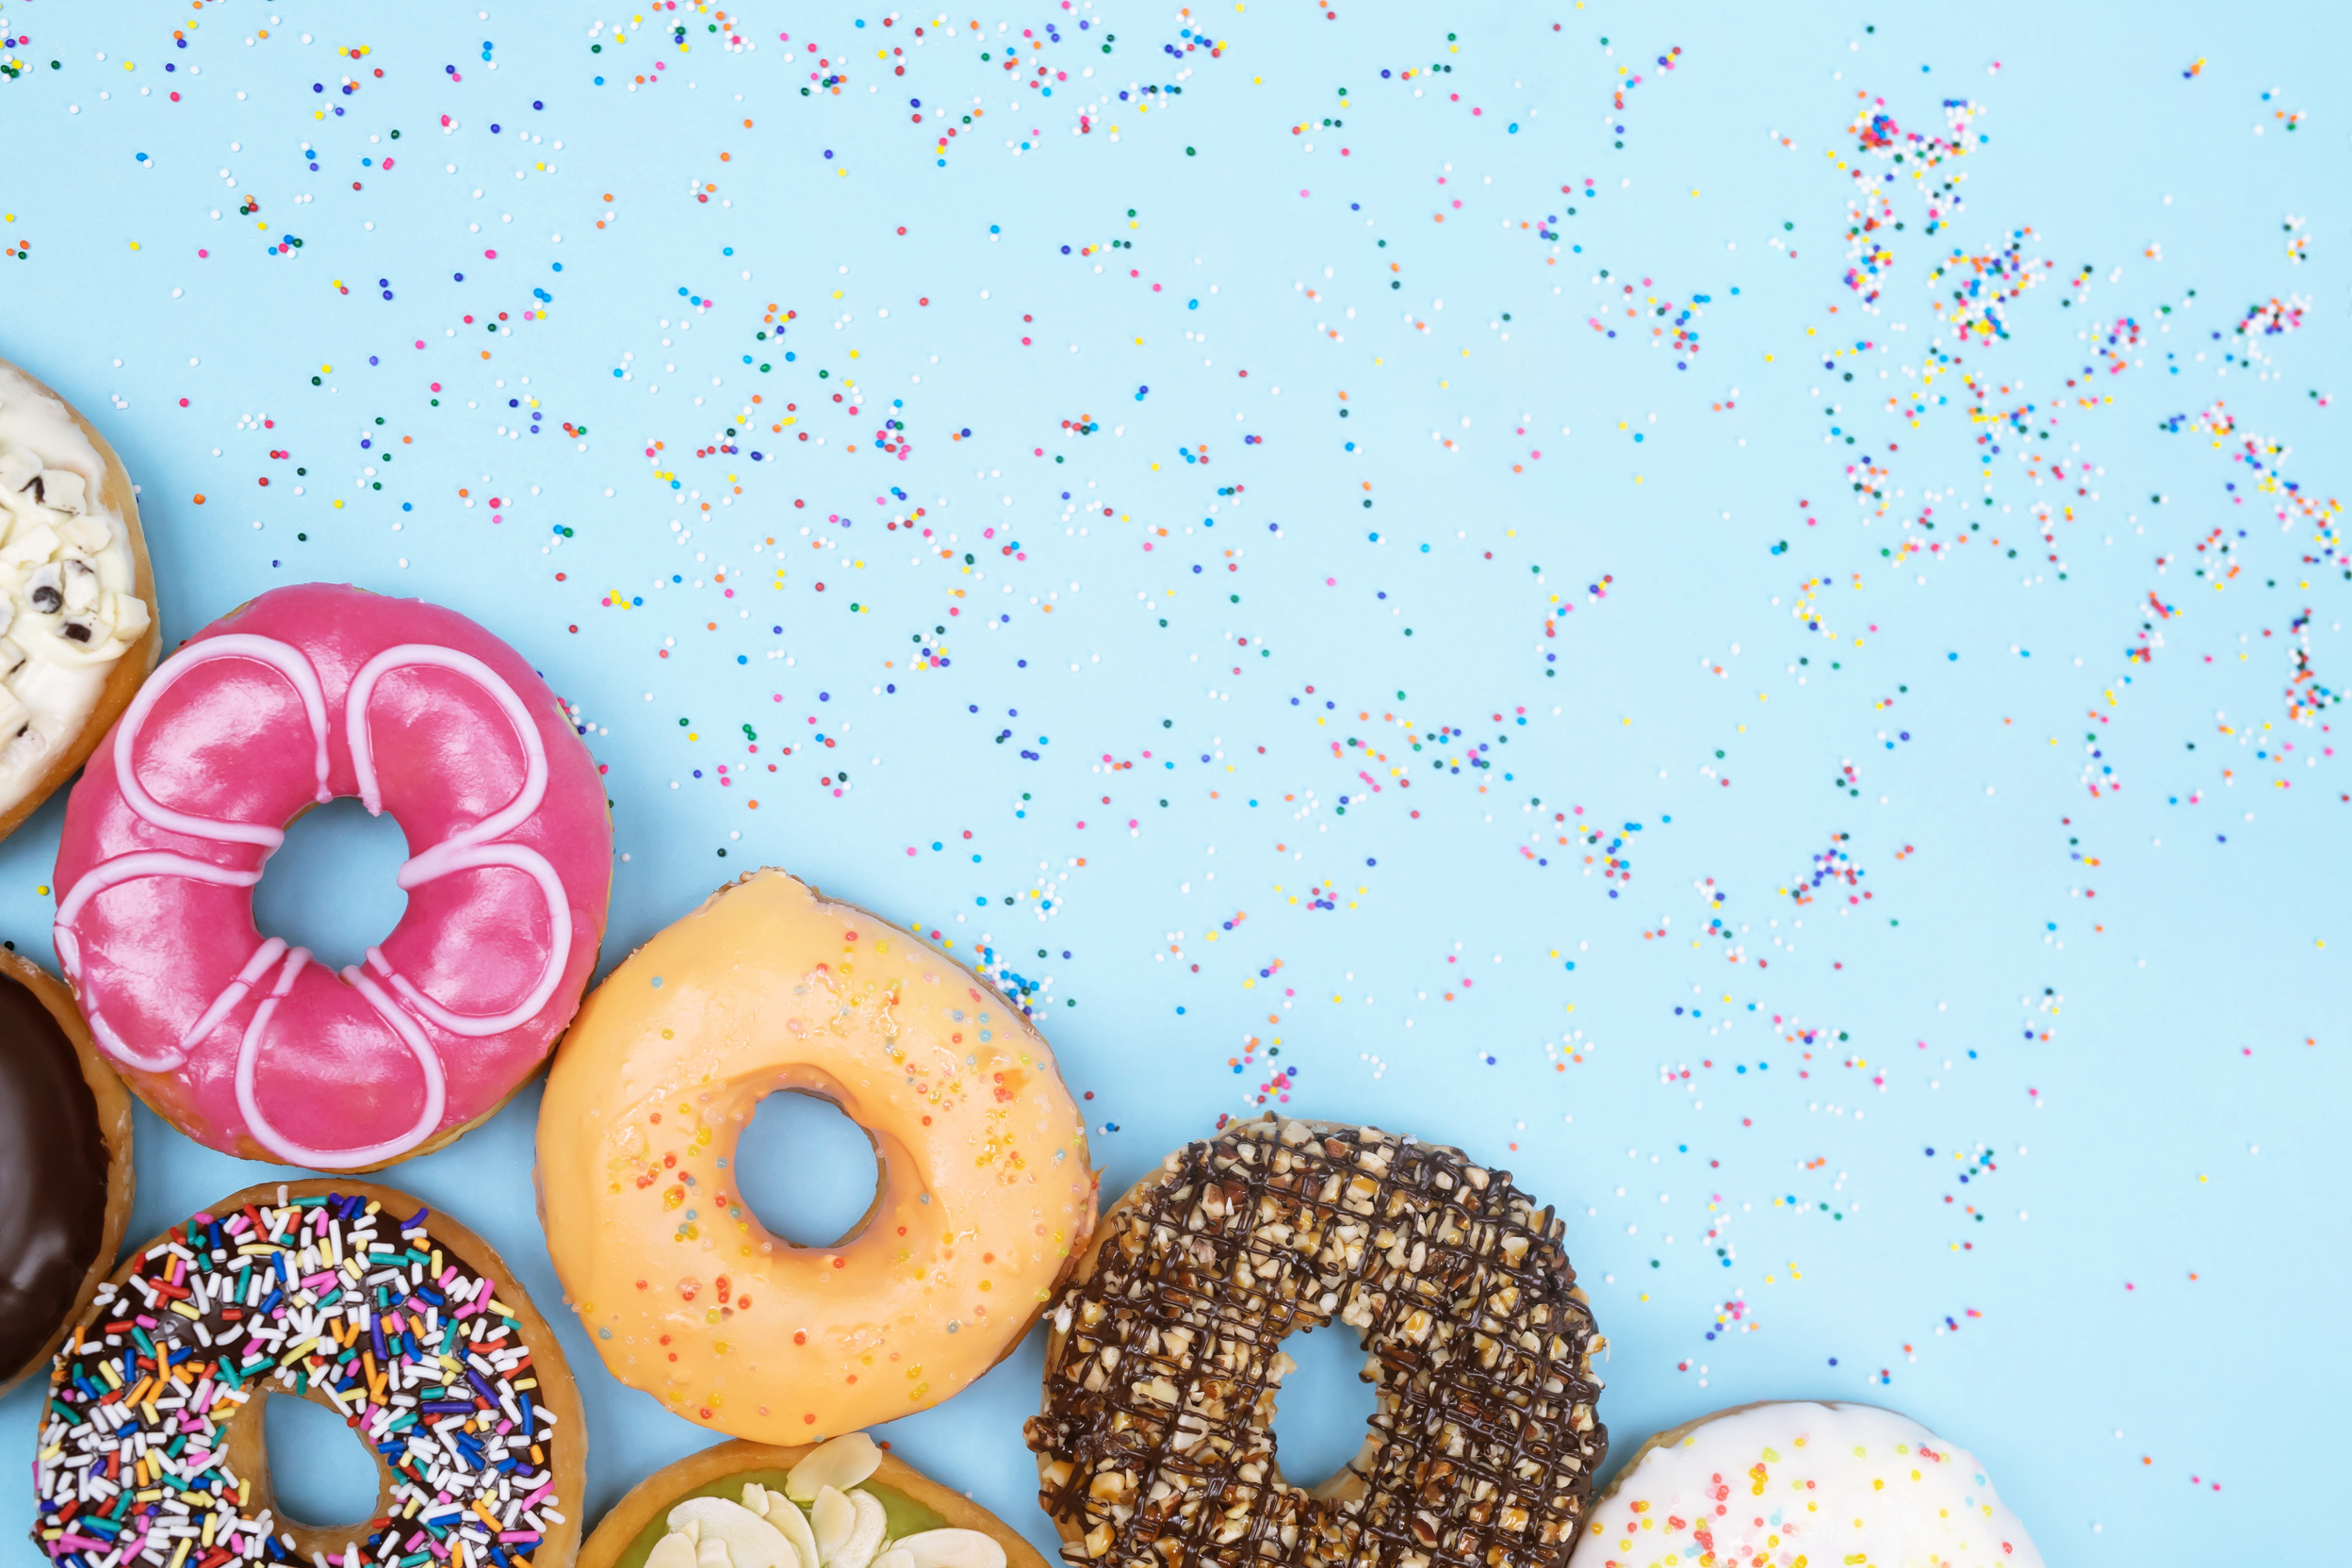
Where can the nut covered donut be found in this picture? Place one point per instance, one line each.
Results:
(302, 695)
(985, 1192)
(1156, 1442)
(359, 1298)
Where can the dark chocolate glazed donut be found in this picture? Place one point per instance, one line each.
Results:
(54, 1164)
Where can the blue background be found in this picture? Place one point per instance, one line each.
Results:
(2034, 1142)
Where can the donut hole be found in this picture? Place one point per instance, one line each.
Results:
(809, 1172)
(1323, 1414)
(320, 1473)
(330, 886)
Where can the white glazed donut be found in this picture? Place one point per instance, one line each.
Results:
(1778, 1485)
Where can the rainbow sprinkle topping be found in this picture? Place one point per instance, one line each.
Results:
(323, 1296)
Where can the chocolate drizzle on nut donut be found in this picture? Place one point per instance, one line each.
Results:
(1154, 1442)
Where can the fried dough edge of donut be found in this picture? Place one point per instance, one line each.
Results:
(653, 1496)
(138, 661)
(114, 1125)
(246, 1449)
(1347, 1482)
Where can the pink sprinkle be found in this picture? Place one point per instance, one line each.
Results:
(201, 254)
(491, 255)
(420, 342)
(1302, 193)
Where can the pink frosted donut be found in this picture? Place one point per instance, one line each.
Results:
(299, 697)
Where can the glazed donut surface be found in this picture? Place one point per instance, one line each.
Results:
(1156, 1445)
(1795, 1481)
(985, 1189)
(302, 695)
(65, 1166)
(358, 1298)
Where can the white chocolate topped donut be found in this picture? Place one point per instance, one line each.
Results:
(1781, 1484)
(73, 597)
(985, 1190)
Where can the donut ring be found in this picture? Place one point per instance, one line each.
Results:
(469, 1400)
(1787, 1481)
(302, 695)
(985, 1190)
(58, 473)
(627, 1536)
(1155, 1443)
(65, 1161)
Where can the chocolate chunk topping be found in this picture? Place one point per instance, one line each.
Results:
(40, 490)
(53, 1167)
(46, 598)
(1159, 1392)
(75, 631)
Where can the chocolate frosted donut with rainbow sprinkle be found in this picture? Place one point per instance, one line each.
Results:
(356, 1298)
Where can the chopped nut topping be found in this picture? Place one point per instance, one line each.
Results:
(1156, 1433)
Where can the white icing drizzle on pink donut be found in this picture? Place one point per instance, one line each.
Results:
(284, 658)
(465, 849)
(127, 868)
(249, 1056)
(233, 992)
(468, 848)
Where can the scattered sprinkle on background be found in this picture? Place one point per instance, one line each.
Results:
(1741, 614)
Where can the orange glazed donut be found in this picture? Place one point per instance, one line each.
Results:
(985, 1193)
